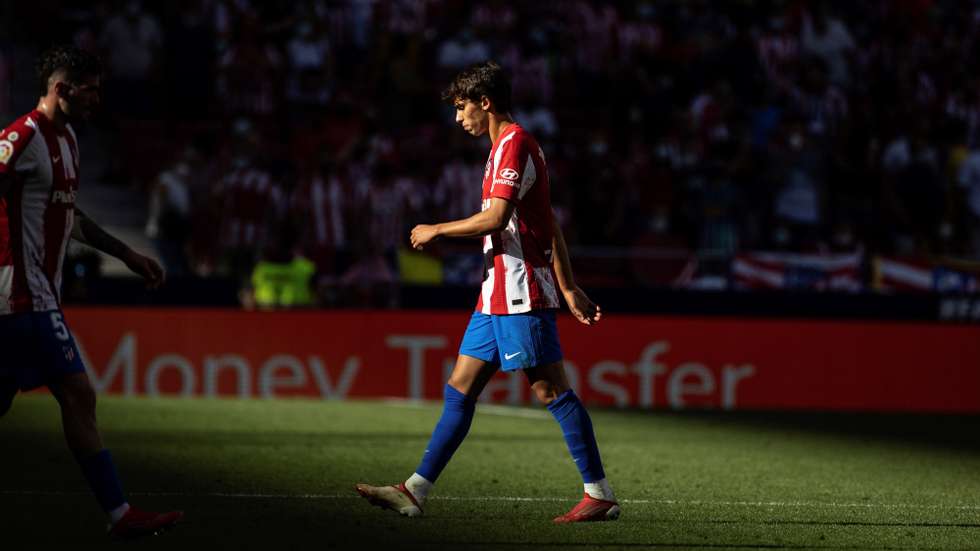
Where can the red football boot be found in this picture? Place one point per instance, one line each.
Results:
(136, 523)
(591, 509)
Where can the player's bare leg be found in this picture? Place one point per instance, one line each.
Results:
(469, 377)
(76, 397)
(549, 384)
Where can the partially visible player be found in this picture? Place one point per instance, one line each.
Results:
(38, 187)
(514, 323)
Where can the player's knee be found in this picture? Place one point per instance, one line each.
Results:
(547, 391)
(463, 384)
(458, 383)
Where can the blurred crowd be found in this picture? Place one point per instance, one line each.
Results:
(279, 131)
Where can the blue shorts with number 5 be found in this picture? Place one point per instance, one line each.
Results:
(513, 341)
(36, 349)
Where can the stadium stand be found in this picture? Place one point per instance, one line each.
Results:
(839, 141)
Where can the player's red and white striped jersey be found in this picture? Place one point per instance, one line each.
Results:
(40, 163)
(519, 276)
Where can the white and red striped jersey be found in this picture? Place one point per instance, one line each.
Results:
(518, 275)
(323, 204)
(251, 199)
(40, 163)
(455, 193)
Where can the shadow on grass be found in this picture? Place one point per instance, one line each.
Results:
(169, 470)
(44, 500)
(953, 432)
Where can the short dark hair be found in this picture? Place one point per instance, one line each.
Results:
(484, 79)
(76, 63)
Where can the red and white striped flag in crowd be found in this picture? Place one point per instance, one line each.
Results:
(817, 272)
(920, 275)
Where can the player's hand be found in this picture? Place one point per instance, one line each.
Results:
(422, 234)
(582, 307)
(147, 268)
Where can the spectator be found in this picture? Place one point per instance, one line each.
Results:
(310, 64)
(463, 50)
(282, 278)
(250, 74)
(822, 103)
(250, 202)
(131, 42)
(968, 180)
(829, 39)
(914, 195)
(457, 191)
(320, 208)
(169, 219)
(799, 178)
(537, 119)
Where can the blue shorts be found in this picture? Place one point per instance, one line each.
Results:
(36, 349)
(514, 341)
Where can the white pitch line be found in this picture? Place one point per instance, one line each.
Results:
(509, 411)
(489, 409)
(705, 503)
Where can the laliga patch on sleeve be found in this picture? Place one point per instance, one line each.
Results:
(6, 150)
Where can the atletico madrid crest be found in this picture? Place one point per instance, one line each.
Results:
(6, 150)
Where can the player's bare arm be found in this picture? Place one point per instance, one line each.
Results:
(579, 303)
(88, 232)
(491, 220)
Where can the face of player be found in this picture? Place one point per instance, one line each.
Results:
(472, 116)
(80, 100)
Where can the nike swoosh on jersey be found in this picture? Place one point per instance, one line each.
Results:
(509, 356)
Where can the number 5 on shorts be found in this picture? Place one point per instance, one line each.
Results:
(58, 324)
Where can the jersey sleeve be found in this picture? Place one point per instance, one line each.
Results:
(512, 169)
(13, 143)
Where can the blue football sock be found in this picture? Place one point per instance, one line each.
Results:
(100, 472)
(457, 414)
(577, 427)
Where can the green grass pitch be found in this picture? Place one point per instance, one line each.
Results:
(279, 475)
